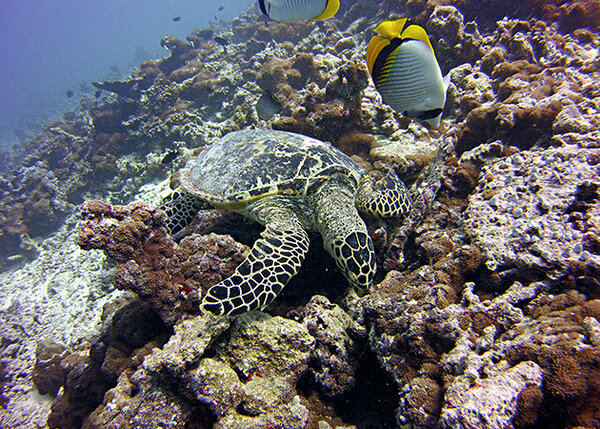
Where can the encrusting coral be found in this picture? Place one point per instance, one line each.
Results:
(166, 274)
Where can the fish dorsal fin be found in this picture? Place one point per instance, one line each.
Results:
(330, 9)
(416, 32)
(391, 28)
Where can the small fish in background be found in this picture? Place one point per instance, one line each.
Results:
(221, 8)
(177, 19)
(70, 93)
(221, 41)
(405, 71)
(294, 10)
(268, 105)
(216, 18)
(169, 157)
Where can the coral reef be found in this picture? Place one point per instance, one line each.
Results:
(334, 363)
(167, 275)
(530, 95)
(535, 210)
(570, 14)
(247, 382)
(85, 377)
(484, 313)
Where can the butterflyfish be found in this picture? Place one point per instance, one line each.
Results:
(268, 105)
(298, 10)
(405, 71)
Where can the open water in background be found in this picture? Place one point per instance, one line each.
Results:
(48, 47)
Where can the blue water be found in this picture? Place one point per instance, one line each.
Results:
(48, 47)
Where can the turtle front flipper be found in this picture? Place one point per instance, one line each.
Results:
(273, 260)
(386, 197)
(181, 208)
(345, 235)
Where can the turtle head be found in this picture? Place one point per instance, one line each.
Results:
(386, 197)
(355, 257)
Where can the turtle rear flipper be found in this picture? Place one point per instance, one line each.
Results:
(274, 259)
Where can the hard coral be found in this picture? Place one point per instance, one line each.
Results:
(248, 380)
(455, 41)
(169, 276)
(327, 115)
(527, 223)
(334, 363)
(570, 14)
(295, 72)
(531, 87)
(564, 342)
(85, 377)
(277, 31)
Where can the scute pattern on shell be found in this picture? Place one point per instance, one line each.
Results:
(244, 166)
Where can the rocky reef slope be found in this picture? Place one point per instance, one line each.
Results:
(486, 311)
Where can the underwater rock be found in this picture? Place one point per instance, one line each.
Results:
(248, 380)
(85, 375)
(295, 72)
(493, 401)
(526, 213)
(327, 115)
(137, 401)
(348, 84)
(561, 341)
(518, 195)
(180, 53)
(571, 14)
(171, 277)
(457, 42)
(48, 373)
(532, 88)
(126, 88)
(277, 31)
(333, 363)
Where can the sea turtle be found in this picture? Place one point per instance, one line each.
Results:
(291, 184)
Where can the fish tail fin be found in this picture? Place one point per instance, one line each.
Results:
(391, 28)
(263, 9)
(330, 9)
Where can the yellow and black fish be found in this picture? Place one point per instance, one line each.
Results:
(268, 105)
(298, 10)
(405, 71)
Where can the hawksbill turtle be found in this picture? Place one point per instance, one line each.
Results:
(291, 184)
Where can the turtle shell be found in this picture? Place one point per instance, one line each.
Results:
(244, 166)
